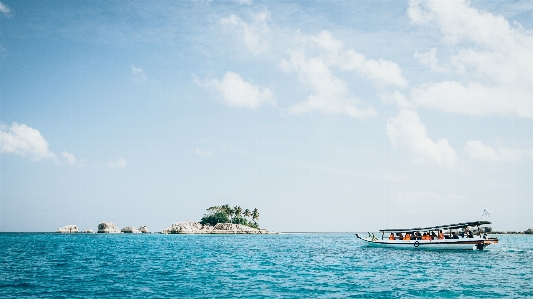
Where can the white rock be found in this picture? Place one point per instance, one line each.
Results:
(69, 229)
(108, 227)
(191, 227)
(89, 231)
(143, 229)
(130, 230)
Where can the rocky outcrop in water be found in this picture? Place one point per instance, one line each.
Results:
(130, 230)
(191, 227)
(187, 227)
(529, 231)
(230, 228)
(143, 229)
(108, 227)
(89, 231)
(69, 229)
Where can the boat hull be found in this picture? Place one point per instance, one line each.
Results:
(445, 244)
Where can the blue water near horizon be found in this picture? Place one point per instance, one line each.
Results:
(47, 265)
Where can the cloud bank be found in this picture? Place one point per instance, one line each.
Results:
(25, 141)
(492, 58)
(407, 131)
(235, 92)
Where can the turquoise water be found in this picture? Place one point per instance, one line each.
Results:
(266, 266)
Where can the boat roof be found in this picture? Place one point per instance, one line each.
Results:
(446, 226)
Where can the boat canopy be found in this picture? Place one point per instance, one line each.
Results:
(448, 226)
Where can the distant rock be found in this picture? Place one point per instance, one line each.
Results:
(89, 231)
(191, 227)
(230, 228)
(130, 230)
(108, 227)
(69, 229)
(529, 231)
(143, 229)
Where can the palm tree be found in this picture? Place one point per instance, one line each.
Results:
(237, 211)
(255, 215)
(228, 210)
(247, 213)
(214, 210)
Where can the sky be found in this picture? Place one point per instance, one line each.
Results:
(326, 116)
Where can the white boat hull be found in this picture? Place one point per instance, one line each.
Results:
(475, 243)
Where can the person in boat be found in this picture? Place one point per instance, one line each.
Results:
(424, 236)
(462, 233)
(470, 234)
(455, 236)
(407, 237)
(418, 236)
(433, 235)
(391, 237)
(441, 235)
(399, 236)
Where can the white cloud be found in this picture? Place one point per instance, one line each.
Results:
(235, 92)
(479, 151)
(71, 159)
(406, 131)
(330, 94)
(120, 163)
(430, 59)
(254, 35)
(138, 74)
(492, 57)
(205, 153)
(381, 72)
(4, 9)
(245, 2)
(25, 141)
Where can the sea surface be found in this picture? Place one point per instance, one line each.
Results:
(313, 265)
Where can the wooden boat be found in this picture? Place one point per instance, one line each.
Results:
(456, 236)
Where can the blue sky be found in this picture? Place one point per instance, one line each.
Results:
(326, 116)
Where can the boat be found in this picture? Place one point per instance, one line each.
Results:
(458, 236)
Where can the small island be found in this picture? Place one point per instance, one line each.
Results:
(221, 220)
(218, 220)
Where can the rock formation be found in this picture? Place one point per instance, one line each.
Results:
(143, 229)
(230, 228)
(130, 230)
(108, 227)
(188, 227)
(529, 231)
(89, 231)
(69, 229)
(191, 227)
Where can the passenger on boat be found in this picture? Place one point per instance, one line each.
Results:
(433, 235)
(441, 235)
(425, 236)
(391, 237)
(399, 236)
(455, 236)
(418, 236)
(407, 237)
(470, 235)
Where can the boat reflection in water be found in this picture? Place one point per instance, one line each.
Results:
(458, 236)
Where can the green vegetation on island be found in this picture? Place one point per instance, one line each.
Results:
(227, 214)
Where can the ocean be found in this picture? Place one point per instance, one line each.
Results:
(310, 265)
